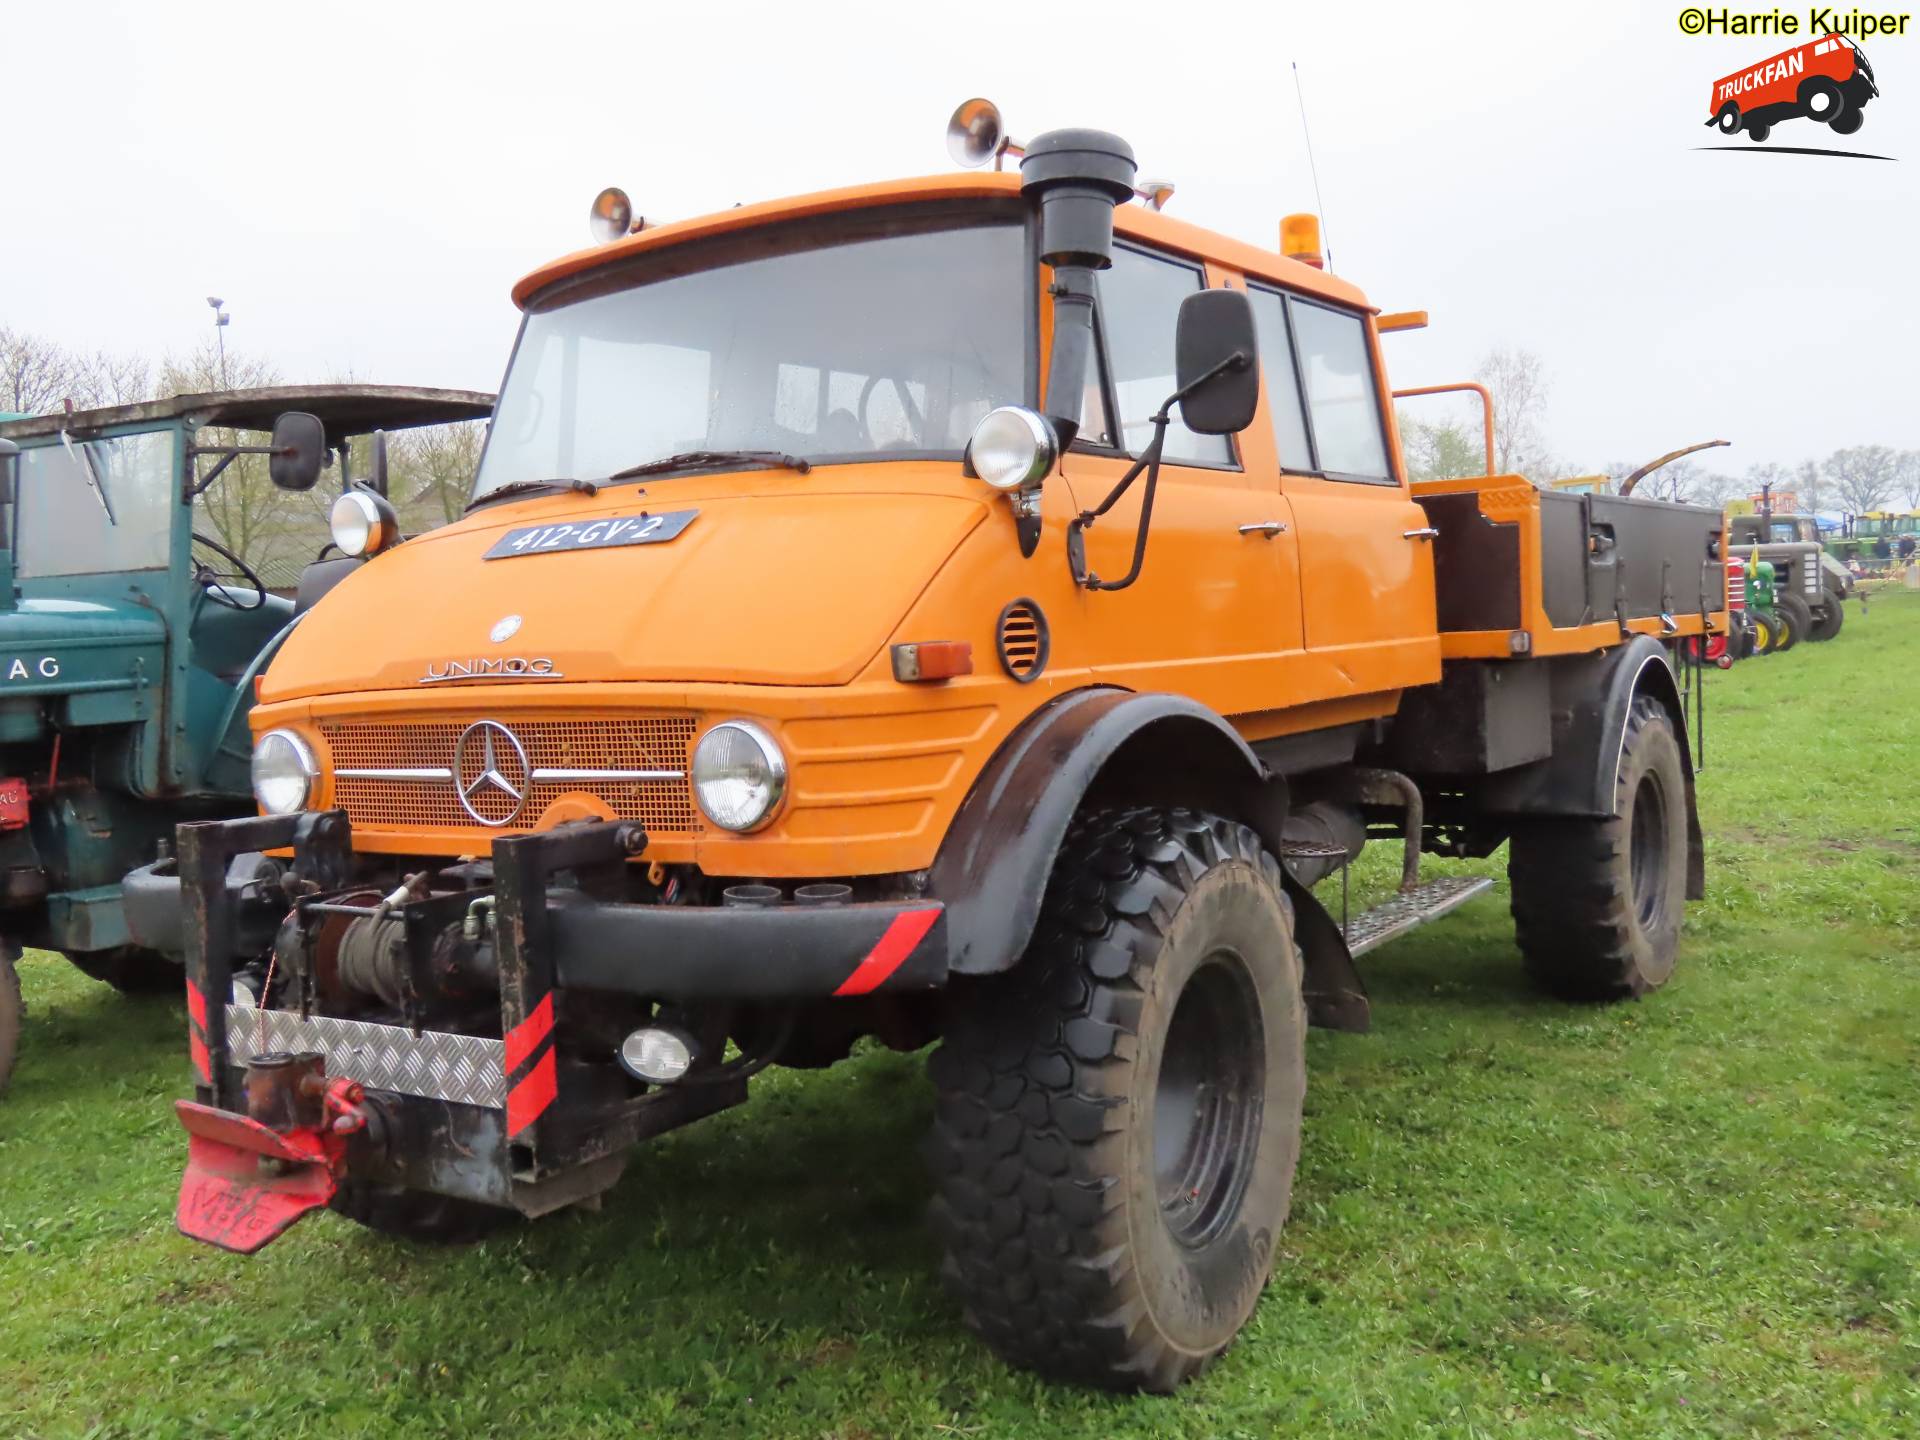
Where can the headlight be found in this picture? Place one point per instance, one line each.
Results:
(1011, 448)
(363, 523)
(283, 772)
(739, 775)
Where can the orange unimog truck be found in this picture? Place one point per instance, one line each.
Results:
(971, 609)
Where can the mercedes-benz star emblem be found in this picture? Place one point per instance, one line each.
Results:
(492, 773)
(504, 629)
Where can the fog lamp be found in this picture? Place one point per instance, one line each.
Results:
(658, 1054)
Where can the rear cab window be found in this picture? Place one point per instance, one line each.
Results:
(1322, 391)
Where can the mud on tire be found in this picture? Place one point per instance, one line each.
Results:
(1597, 904)
(1157, 1009)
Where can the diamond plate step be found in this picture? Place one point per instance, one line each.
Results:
(1393, 918)
(469, 1069)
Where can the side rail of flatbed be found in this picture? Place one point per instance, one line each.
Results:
(1523, 571)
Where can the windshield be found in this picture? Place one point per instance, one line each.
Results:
(876, 338)
(62, 527)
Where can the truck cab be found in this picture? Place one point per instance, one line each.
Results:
(131, 635)
(976, 608)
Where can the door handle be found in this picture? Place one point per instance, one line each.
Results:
(1425, 532)
(1268, 528)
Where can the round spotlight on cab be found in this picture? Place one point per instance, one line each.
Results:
(363, 523)
(1012, 448)
(739, 775)
(658, 1054)
(611, 215)
(283, 772)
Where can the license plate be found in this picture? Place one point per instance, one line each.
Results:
(591, 534)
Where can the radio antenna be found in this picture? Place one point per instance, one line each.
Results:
(1313, 169)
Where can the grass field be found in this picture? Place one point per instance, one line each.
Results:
(1697, 1215)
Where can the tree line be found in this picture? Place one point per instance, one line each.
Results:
(1851, 480)
(429, 471)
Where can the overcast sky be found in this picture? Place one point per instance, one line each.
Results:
(362, 183)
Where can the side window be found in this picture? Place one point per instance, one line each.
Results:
(1341, 397)
(1282, 380)
(1139, 303)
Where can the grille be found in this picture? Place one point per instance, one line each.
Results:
(647, 742)
(1022, 639)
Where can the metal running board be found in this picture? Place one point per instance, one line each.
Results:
(1393, 918)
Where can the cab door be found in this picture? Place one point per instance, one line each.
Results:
(1215, 613)
(1365, 552)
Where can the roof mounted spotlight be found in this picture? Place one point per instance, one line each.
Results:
(612, 215)
(976, 134)
(1155, 192)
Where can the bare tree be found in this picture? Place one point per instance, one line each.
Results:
(37, 375)
(1863, 476)
(1907, 473)
(1810, 483)
(1437, 450)
(1518, 380)
(430, 472)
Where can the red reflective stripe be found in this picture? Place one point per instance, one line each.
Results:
(525, 1037)
(196, 1005)
(202, 1063)
(890, 953)
(528, 1100)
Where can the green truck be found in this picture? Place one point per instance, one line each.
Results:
(129, 640)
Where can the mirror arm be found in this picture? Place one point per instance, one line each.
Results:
(1149, 461)
(205, 482)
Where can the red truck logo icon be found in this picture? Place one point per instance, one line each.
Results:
(1827, 80)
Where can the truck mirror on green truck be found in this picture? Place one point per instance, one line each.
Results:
(132, 627)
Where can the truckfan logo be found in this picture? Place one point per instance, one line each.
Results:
(491, 773)
(1827, 79)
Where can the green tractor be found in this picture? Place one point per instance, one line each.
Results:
(129, 642)
(1771, 627)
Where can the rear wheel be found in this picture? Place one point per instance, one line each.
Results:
(1597, 904)
(13, 1010)
(1758, 130)
(417, 1215)
(1118, 1117)
(130, 969)
(1728, 119)
(1832, 616)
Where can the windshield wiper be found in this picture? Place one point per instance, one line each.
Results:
(84, 462)
(707, 459)
(527, 487)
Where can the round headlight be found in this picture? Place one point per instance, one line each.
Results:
(283, 772)
(739, 775)
(1011, 448)
(363, 523)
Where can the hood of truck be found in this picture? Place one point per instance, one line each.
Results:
(777, 579)
(50, 644)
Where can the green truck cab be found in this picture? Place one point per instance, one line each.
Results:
(129, 642)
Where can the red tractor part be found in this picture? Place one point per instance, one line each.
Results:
(250, 1177)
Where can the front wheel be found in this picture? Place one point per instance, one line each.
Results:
(1758, 131)
(1788, 627)
(1118, 1117)
(1848, 123)
(1832, 616)
(1597, 904)
(1821, 99)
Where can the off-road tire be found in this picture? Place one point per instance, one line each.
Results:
(1597, 904)
(1728, 119)
(13, 1011)
(1832, 616)
(130, 969)
(1819, 86)
(1848, 122)
(1801, 615)
(1073, 1248)
(418, 1215)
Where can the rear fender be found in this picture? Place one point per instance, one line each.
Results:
(1592, 695)
(1099, 745)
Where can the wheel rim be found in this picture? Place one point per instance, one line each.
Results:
(1207, 1100)
(1649, 860)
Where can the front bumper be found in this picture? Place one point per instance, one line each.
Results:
(513, 1119)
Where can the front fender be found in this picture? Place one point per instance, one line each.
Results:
(1108, 745)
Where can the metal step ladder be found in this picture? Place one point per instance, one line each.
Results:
(1394, 917)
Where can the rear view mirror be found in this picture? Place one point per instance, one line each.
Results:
(299, 445)
(1216, 366)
